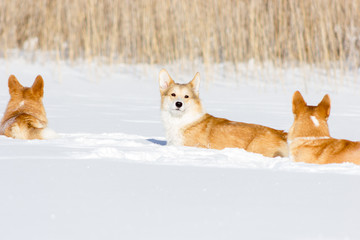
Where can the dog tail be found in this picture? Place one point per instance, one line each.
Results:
(26, 126)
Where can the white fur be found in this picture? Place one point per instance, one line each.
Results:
(315, 121)
(21, 104)
(48, 133)
(18, 132)
(174, 125)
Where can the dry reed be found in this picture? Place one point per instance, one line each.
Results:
(283, 32)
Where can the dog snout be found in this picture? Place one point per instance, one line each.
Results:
(178, 104)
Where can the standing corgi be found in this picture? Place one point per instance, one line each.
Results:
(25, 116)
(309, 137)
(187, 124)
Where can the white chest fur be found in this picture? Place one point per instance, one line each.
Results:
(175, 125)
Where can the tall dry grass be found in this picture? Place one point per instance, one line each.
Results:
(283, 32)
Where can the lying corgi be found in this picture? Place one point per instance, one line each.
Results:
(187, 124)
(25, 116)
(309, 138)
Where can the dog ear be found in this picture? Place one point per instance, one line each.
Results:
(14, 85)
(195, 83)
(164, 80)
(38, 86)
(324, 106)
(298, 102)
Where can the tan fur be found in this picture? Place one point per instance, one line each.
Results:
(312, 144)
(25, 116)
(218, 133)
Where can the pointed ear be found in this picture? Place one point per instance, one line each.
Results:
(164, 80)
(195, 83)
(324, 106)
(14, 85)
(298, 102)
(38, 86)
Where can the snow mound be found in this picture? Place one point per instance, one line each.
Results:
(153, 150)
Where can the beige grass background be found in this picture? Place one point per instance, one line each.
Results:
(324, 33)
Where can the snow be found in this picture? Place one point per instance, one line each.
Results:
(109, 174)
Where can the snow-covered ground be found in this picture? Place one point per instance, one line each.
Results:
(110, 175)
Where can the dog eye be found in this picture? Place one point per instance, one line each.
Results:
(173, 94)
(186, 96)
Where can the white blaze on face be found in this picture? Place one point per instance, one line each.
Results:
(315, 121)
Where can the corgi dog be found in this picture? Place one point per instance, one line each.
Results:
(187, 124)
(25, 116)
(309, 138)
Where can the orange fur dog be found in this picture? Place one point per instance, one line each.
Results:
(25, 116)
(309, 137)
(187, 124)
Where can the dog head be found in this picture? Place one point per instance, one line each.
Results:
(26, 97)
(309, 121)
(179, 99)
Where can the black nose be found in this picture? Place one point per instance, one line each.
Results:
(178, 104)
